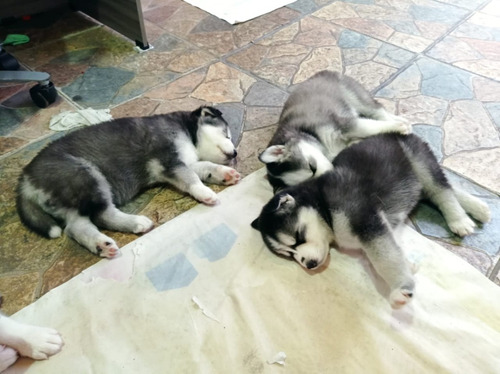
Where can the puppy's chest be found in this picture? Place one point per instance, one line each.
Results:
(343, 233)
(331, 139)
(186, 151)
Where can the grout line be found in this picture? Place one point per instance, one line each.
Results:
(495, 271)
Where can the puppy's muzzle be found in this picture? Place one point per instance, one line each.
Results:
(311, 264)
(231, 155)
(231, 158)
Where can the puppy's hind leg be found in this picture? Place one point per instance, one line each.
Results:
(388, 259)
(456, 217)
(112, 218)
(472, 205)
(81, 229)
(386, 256)
(380, 114)
(365, 127)
(453, 204)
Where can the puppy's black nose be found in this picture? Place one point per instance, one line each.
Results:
(235, 153)
(311, 264)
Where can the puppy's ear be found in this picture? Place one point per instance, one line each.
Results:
(286, 203)
(208, 111)
(274, 153)
(255, 224)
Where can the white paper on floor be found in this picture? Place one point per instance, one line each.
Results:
(136, 314)
(68, 120)
(236, 11)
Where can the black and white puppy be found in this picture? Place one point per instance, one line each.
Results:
(373, 187)
(321, 117)
(77, 181)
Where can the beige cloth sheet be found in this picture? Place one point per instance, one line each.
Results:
(136, 314)
(236, 11)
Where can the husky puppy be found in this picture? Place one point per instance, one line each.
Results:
(30, 341)
(373, 187)
(78, 181)
(321, 117)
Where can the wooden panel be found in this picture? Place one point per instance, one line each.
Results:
(17, 8)
(124, 16)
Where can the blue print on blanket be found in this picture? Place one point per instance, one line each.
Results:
(215, 244)
(176, 272)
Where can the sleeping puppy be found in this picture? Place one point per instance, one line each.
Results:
(77, 181)
(30, 341)
(321, 117)
(373, 187)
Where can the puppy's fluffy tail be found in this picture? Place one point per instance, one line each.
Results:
(34, 217)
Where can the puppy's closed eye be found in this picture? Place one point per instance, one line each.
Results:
(300, 238)
(313, 166)
(284, 253)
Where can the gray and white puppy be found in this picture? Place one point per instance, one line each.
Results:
(373, 187)
(321, 117)
(77, 181)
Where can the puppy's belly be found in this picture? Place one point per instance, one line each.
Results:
(344, 236)
(350, 244)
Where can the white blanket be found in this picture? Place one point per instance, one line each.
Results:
(236, 11)
(201, 294)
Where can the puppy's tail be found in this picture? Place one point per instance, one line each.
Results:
(34, 217)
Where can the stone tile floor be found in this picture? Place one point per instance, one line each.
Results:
(435, 62)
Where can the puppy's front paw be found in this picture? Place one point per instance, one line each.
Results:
(40, 343)
(143, 225)
(462, 227)
(106, 247)
(204, 194)
(223, 175)
(400, 297)
(230, 176)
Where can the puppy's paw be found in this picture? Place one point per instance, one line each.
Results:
(400, 297)
(402, 125)
(204, 194)
(106, 247)
(463, 226)
(40, 342)
(7, 357)
(230, 176)
(223, 175)
(480, 211)
(143, 225)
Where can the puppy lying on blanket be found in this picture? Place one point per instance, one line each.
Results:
(373, 187)
(322, 116)
(77, 181)
(30, 341)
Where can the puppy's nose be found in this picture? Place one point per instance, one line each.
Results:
(235, 153)
(311, 264)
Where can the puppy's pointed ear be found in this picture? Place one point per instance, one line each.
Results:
(255, 224)
(274, 153)
(209, 111)
(286, 203)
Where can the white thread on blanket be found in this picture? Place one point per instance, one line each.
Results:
(205, 311)
(136, 252)
(279, 358)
